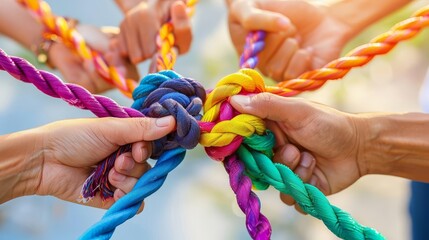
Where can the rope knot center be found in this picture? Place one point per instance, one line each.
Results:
(167, 93)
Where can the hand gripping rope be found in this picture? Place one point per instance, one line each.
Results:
(59, 26)
(240, 140)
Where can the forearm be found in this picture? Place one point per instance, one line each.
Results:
(359, 14)
(18, 24)
(397, 145)
(126, 5)
(20, 164)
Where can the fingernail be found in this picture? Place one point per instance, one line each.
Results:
(283, 23)
(119, 193)
(163, 122)
(127, 163)
(313, 181)
(180, 10)
(241, 100)
(144, 154)
(306, 160)
(290, 155)
(118, 177)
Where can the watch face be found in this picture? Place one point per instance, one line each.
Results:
(42, 58)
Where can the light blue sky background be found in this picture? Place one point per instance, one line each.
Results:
(196, 201)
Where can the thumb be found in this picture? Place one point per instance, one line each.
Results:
(272, 107)
(122, 131)
(182, 26)
(253, 17)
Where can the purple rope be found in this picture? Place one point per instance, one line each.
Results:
(257, 224)
(73, 94)
(254, 45)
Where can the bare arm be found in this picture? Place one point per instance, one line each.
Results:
(397, 145)
(18, 24)
(345, 146)
(20, 164)
(360, 14)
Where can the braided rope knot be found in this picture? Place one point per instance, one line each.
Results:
(223, 132)
(167, 93)
(223, 129)
(158, 95)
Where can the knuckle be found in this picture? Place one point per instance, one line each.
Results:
(265, 98)
(143, 124)
(247, 21)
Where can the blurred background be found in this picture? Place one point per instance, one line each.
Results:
(196, 201)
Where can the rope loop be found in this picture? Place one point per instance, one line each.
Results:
(167, 93)
(222, 127)
(158, 95)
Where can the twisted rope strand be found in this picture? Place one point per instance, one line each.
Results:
(213, 137)
(359, 56)
(338, 68)
(77, 96)
(254, 45)
(257, 224)
(73, 94)
(176, 96)
(309, 198)
(165, 60)
(127, 206)
(166, 54)
(261, 143)
(59, 26)
(255, 150)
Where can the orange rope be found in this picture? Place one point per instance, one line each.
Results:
(167, 54)
(59, 26)
(359, 56)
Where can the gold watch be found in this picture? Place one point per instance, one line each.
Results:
(41, 50)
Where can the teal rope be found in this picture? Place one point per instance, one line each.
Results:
(264, 173)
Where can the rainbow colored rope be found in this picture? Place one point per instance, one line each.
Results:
(225, 135)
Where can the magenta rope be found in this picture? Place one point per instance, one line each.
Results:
(73, 94)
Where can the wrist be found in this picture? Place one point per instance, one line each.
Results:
(42, 48)
(369, 155)
(396, 145)
(43, 45)
(21, 164)
(346, 12)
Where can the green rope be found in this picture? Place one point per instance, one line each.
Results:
(265, 173)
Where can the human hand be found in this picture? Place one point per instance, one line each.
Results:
(142, 23)
(83, 73)
(301, 36)
(66, 152)
(331, 141)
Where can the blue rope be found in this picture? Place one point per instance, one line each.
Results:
(127, 206)
(158, 95)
